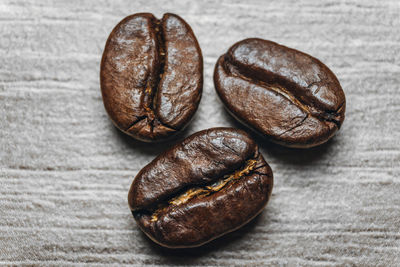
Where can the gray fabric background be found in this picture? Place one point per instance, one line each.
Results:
(66, 171)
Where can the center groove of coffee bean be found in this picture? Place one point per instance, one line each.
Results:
(309, 108)
(206, 190)
(151, 89)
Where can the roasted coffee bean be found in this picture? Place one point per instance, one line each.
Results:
(151, 76)
(212, 183)
(281, 93)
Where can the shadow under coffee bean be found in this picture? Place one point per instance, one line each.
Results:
(151, 76)
(281, 93)
(210, 184)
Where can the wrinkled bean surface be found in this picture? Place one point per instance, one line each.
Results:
(281, 93)
(151, 76)
(212, 183)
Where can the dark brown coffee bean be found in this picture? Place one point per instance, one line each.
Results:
(212, 183)
(281, 93)
(151, 76)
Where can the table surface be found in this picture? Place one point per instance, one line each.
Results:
(66, 171)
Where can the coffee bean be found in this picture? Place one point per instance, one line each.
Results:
(212, 183)
(151, 76)
(281, 93)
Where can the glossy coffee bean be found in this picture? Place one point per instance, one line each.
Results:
(286, 95)
(210, 184)
(151, 76)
